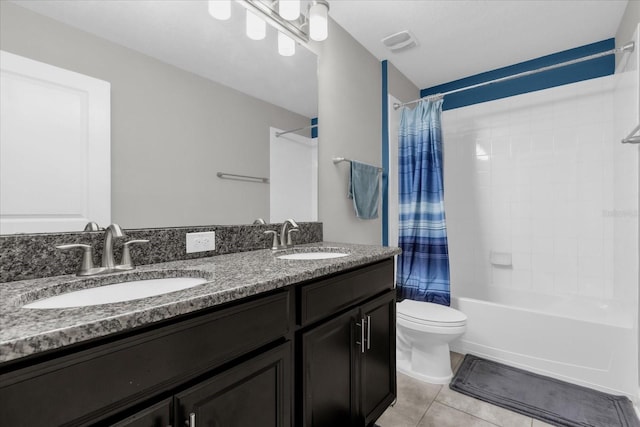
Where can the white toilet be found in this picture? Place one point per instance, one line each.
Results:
(424, 331)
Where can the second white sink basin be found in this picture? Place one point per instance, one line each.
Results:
(313, 255)
(126, 291)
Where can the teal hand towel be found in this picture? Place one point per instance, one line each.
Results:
(364, 189)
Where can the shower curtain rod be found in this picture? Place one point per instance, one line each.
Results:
(279, 134)
(626, 48)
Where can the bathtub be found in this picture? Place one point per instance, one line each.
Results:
(584, 342)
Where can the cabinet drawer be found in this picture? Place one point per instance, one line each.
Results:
(94, 383)
(326, 297)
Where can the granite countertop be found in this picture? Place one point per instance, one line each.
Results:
(229, 277)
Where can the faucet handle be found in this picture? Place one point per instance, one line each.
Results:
(126, 263)
(274, 245)
(87, 257)
(92, 226)
(289, 241)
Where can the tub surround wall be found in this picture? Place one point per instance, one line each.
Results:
(532, 176)
(32, 256)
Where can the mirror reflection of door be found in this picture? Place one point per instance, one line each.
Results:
(54, 148)
(293, 177)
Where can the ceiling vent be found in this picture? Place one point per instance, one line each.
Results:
(401, 41)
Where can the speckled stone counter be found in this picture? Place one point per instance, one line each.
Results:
(230, 277)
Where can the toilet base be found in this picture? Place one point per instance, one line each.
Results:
(430, 364)
(405, 368)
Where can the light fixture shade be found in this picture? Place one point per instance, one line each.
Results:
(220, 9)
(318, 25)
(286, 45)
(256, 27)
(289, 9)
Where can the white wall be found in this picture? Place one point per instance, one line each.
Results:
(293, 177)
(533, 176)
(171, 130)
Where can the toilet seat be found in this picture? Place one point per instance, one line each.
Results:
(430, 314)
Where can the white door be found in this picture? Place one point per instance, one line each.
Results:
(55, 161)
(293, 177)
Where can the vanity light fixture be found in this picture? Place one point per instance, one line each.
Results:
(289, 9)
(318, 20)
(220, 9)
(285, 16)
(256, 27)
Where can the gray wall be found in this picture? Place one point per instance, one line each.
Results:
(400, 86)
(628, 24)
(171, 130)
(349, 115)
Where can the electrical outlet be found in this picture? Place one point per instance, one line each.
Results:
(201, 242)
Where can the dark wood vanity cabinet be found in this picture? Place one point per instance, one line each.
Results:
(348, 360)
(294, 356)
(157, 415)
(257, 392)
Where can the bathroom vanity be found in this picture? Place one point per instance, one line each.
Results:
(265, 341)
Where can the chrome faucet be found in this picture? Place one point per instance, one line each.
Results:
(112, 231)
(285, 235)
(108, 263)
(285, 238)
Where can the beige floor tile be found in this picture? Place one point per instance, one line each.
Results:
(486, 411)
(456, 360)
(440, 415)
(394, 417)
(414, 397)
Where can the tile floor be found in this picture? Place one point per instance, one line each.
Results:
(428, 405)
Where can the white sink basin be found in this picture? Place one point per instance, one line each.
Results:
(312, 255)
(126, 291)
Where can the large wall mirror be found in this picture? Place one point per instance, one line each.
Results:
(190, 97)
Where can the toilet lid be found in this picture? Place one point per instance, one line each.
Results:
(430, 313)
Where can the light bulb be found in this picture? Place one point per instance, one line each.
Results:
(256, 27)
(318, 26)
(220, 9)
(286, 45)
(289, 9)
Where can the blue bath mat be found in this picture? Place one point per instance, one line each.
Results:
(553, 401)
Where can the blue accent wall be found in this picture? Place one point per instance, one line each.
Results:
(570, 74)
(314, 131)
(385, 154)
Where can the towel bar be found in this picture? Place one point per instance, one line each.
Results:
(632, 138)
(337, 160)
(224, 175)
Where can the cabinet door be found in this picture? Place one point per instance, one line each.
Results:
(329, 355)
(254, 393)
(378, 362)
(158, 415)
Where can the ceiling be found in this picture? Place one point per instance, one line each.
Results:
(457, 38)
(465, 37)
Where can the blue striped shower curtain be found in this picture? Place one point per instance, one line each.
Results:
(423, 266)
